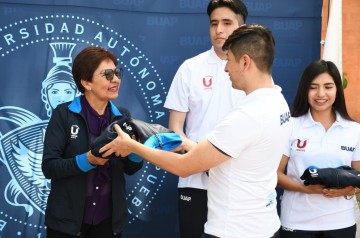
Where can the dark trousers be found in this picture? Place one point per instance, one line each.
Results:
(192, 212)
(276, 235)
(103, 230)
(348, 232)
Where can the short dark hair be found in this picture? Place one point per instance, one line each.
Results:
(301, 105)
(254, 40)
(237, 6)
(87, 61)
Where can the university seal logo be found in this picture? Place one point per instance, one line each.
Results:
(48, 44)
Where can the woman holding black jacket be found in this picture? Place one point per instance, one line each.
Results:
(87, 197)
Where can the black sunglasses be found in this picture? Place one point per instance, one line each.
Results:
(109, 73)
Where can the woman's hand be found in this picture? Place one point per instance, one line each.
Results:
(337, 192)
(313, 189)
(95, 160)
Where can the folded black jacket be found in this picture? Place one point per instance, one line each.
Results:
(152, 135)
(339, 177)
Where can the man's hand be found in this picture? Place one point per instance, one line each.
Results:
(185, 146)
(120, 145)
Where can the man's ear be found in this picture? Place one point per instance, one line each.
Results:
(246, 61)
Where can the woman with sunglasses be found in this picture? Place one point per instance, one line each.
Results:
(87, 197)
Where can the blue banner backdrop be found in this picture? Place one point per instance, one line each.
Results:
(38, 41)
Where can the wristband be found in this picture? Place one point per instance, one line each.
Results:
(347, 197)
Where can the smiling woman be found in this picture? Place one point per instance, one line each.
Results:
(322, 137)
(94, 186)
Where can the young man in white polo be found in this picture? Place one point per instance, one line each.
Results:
(243, 152)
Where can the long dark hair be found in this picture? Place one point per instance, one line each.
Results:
(301, 105)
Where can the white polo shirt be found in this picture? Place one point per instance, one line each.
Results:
(311, 145)
(241, 192)
(203, 89)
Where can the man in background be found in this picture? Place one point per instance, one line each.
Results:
(199, 97)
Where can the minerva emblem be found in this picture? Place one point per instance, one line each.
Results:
(22, 148)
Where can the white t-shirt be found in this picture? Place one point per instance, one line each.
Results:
(241, 191)
(203, 89)
(311, 145)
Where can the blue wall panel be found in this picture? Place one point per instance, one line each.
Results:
(151, 39)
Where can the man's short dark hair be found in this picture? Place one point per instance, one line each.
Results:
(237, 6)
(254, 40)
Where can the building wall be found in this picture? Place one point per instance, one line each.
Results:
(351, 52)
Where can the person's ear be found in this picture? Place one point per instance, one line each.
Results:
(246, 61)
(86, 84)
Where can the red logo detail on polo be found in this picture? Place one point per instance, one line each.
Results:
(301, 144)
(207, 82)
